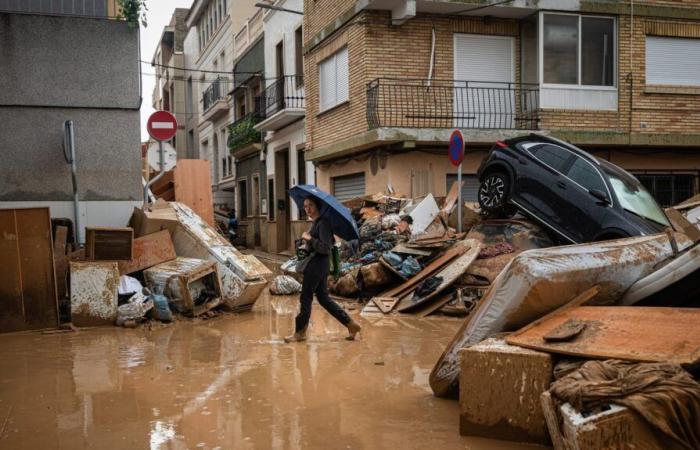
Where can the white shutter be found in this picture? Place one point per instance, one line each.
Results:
(342, 71)
(349, 186)
(672, 61)
(327, 84)
(483, 58)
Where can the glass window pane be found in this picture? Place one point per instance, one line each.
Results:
(597, 51)
(555, 157)
(584, 174)
(560, 41)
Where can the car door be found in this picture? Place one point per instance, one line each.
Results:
(583, 214)
(537, 181)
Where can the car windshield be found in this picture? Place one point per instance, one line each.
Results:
(637, 200)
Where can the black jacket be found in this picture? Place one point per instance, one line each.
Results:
(321, 237)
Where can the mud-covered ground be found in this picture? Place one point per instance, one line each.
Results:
(231, 383)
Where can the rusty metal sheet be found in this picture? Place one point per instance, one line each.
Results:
(633, 333)
(93, 292)
(149, 251)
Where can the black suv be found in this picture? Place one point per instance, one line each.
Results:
(578, 196)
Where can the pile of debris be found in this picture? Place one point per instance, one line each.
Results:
(168, 261)
(586, 346)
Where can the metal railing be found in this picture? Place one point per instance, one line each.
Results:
(217, 90)
(413, 103)
(241, 131)
(285, 92)
(85, 8)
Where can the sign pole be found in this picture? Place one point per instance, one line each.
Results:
(148, 185)
(161, 126)
(459, 197)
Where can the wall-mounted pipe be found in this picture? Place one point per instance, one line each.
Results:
(69, 156)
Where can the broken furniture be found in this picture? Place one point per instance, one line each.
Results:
(191, 285)
(27, 281)
(188, 183)
(94, 292)
(108, 244)
(149, 250)
(499, 391)
(539, 281)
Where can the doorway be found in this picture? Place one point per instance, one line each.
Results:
(282, 200)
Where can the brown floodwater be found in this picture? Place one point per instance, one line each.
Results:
(231, 383)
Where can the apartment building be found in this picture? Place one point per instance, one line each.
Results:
(169, 91)
(387, 80)
(209, 58)
(70, 61)
(281, 121)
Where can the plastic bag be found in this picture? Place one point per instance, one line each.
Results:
(409, 267)
(129, 285)
(135, 309)
(390, 221)
(284, 285)
(161, 310)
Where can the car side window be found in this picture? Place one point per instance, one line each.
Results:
(585, 174)
(555, 157)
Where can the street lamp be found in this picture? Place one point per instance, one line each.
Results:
(277, 8)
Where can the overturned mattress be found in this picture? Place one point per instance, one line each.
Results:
(539, 281)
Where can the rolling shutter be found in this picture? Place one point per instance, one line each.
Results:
(349, 186)
(342, 73)
(470, 188)
(334, 80)
(672, 61)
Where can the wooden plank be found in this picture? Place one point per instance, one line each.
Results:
(61, 261)
(680, 223)
(438, 303)
(109, 244)
(401, 248)
(390, 268)
(633, 333)
(450, 273)
(149, 251)
(385, 304)
(36, 267)
(11, 303)
(428, 270)
(193, 187)
(451, 198)
(551, 418)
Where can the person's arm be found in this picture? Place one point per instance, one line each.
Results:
(324, 242)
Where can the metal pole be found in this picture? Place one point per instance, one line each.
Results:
(157, 177)
(459, 198)
(69, 136)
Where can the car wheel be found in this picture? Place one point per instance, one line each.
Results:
(493, 192)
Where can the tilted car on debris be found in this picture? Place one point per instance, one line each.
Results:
(579, 197)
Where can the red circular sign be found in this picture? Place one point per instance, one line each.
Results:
(162, 125)
(455, 150)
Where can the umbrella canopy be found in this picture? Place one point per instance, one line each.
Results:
(337, 214)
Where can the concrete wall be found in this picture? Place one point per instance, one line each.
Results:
(66, 68)
(282, 26)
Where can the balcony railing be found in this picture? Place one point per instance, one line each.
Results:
(217, 90)
(410, 103)
(286, 92)
(108, 9)
(242, 133)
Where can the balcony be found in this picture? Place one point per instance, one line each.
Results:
(411, 103)
(243, 138)
(215, 100)
(281, 103)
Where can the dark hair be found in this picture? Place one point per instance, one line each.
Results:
(408, 219)
(314, 200)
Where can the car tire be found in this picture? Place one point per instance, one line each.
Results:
(493, 194)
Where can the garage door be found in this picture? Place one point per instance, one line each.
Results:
(470, 188)
(482, 64)
(349, 186)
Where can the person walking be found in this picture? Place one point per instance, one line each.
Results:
(319, 240)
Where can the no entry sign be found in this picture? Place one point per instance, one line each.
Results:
(162, 125)
(455, 150)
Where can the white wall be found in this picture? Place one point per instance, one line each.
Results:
(281, 25)
(289, 137)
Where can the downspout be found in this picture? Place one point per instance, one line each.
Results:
(69, 144)
(630, 74)
(432, 57)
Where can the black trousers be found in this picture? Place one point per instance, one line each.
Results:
(316, 282)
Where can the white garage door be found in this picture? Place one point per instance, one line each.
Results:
(482, 64)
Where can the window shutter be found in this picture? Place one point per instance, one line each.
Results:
(327, 85)
(672, 61)
(342, 71)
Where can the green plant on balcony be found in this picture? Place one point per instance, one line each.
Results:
(133, 11)
(242, 133)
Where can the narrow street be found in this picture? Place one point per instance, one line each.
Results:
(230, 382)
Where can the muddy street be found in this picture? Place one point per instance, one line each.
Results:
(231, 382)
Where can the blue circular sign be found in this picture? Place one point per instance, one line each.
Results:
(456, 148)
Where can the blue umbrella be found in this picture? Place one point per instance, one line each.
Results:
(341, 221)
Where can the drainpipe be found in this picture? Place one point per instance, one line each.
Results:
(631, 74)
(432, 58)
(69, 144)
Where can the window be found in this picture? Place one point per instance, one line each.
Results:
(271, 199)
(189, 103)
(669, 189)
(636, 199)
(555, 157)
(672, 61)
(243, 199)
(301, 177)
(348, 186)
(333, 86)
(563, 35)
(255, 194)
(583, 173)
(299, 56)
(224, 167)
(190, 144)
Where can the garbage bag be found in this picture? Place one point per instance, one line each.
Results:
(409, 267)
(394, 259)
(135, 309)
(161, 309)
(664, 394)
(390, 221)
(129, 285)
(284, 285)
